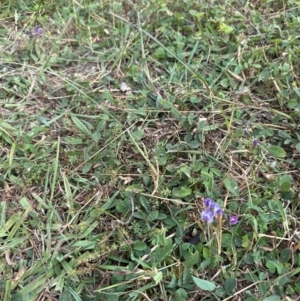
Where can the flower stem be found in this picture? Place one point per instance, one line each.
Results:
(219, 234)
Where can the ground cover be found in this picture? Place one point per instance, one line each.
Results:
(149, 150)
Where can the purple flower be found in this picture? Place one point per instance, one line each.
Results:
(212, 209)
(233, 220)
(207, 216)
(38, 31)
(216, 209)
(208, 203)
(246, 132)
(255, 142)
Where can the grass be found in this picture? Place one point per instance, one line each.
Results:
(118, 119)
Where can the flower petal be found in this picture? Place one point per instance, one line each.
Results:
(38, 30)
(216, 209)
(208, 203)
(207, 216)
(233, 220)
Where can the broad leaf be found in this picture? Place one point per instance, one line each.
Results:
(276, 151)
(182, 192)
(230, 284)
(205, 285)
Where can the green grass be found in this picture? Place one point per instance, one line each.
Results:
(119, 120)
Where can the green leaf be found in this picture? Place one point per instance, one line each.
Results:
(144, 202)
(224, 82)
(138, 135)
(251, 299)
(74, 294)
(84, 244)
(80, 126)
(285, 255)
(273, 265)
(173, 282)
(16, 180)
(285, 186)
(124, 207)
(24, 203)
(87, 167)
(181, 295)
(276, 151)
(246, 242)
(140, 261)
(15, 297)
(165, 103)
(135, 188)
(73, 140)
(182, 192)
(65, 296)
(230, 284)
(232, 186)
(262, 276)
(225, 28)
(158, 277)
(205, 285)
(186, 170)
(192, 260)
(263, 288)
(6, 127)
(162, 253)
(272, 298)
(139, 245)
(285, 182)
(206, 252)
(43, 121)
(153, 215)
(96, 136)
(283, 280)
(226, 240)
(193, 144)
(160, 53)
